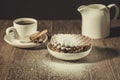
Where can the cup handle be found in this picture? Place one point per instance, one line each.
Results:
(116, 8)
(11, 31)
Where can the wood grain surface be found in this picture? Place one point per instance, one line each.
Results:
(103, 62)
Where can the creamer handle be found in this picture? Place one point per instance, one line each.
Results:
(117, 10)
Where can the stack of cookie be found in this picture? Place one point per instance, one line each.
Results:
(69, 43)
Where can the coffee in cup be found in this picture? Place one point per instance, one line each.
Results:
(24, 27)
(25, 22)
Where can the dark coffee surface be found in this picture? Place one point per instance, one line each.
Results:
(25, 22)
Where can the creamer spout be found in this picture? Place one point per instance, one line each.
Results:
(81, 8)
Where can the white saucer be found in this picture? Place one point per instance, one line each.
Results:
(17, 43)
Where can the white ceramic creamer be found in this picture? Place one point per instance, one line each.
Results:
(96, 20)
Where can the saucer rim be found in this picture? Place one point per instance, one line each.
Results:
(23, 45)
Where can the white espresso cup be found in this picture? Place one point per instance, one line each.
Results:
(23, 28)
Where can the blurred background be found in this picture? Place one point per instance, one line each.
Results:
(47, 9)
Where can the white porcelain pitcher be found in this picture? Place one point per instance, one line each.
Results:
(96, 20)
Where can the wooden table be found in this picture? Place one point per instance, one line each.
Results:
(103, 62)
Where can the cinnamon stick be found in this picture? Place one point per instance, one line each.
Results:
(37, 35)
